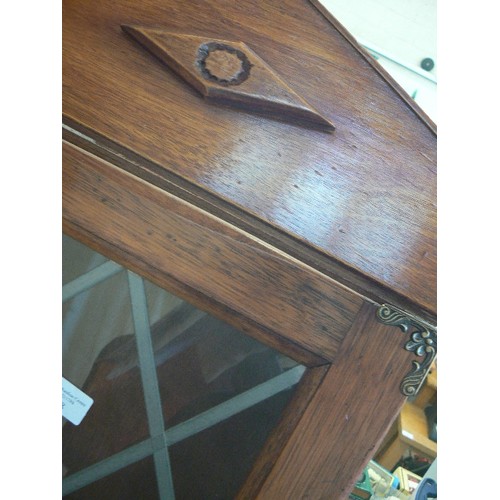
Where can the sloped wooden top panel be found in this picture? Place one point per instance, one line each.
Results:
(363, 196)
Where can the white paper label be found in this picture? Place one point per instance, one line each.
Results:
(75, 403)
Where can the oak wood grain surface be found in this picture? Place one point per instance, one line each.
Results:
(174, 239)
(363, 196)
(347, 418)
(272, 449)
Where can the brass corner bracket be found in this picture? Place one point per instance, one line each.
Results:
(423, 342)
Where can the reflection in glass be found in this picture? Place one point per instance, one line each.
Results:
(169, 382)
(133, 482)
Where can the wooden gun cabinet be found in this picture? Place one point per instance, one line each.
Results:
(252, 161)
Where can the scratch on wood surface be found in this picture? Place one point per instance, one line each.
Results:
(425, 156)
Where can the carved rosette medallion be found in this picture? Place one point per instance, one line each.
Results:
(422, 342)
(223, 64)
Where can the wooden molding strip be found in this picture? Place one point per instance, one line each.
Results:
(347, 418)
(308, 385)
(176, 244)
(105, 149)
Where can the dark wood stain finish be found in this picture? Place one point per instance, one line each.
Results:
(288, 233)
(295, 410)
(347, 418)
(229, 73)
(369, 187)
(207, 255)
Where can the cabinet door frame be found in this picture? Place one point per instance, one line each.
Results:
(349, 395)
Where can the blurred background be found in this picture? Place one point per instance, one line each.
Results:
(401, 36)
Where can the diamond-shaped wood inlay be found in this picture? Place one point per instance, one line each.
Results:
(229, 73)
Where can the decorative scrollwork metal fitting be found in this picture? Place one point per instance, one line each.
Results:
(423, 342)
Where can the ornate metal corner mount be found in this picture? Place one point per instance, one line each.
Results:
(423, 342)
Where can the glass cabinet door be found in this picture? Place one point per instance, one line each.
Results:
(182, 402)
